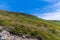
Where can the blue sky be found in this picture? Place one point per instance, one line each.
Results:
(46, 9)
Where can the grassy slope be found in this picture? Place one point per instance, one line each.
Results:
(56, 22)
(31, 25)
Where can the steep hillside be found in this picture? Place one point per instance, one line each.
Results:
(24, 24)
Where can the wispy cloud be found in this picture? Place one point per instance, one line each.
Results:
(55, 15)
(51, 12)
(51, 0)
(52, 16)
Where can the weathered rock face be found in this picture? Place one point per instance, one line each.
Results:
(5, 35)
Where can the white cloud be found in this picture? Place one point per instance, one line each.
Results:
(51, 0)
(52, 16)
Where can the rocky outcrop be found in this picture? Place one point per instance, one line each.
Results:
(5, 35)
